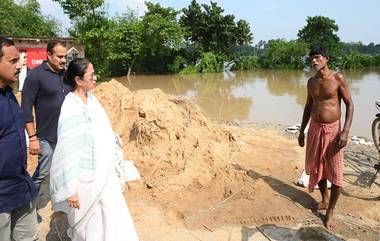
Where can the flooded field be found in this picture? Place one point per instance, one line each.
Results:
(263, 95)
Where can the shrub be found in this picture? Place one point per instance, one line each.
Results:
(210, 63)
(190, 69)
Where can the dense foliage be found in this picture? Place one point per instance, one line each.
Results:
(211, 31)
(92, 28)
(163, 40)
(281, 54)
(24, 19)
(370, 49)
(125, 44)
(199, 38)
(320, 31)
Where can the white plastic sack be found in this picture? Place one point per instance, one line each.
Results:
(125, 169)
(130, 171)
(303, 181)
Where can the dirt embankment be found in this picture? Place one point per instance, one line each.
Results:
(181, 155)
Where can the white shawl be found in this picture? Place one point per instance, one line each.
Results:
(84, 153)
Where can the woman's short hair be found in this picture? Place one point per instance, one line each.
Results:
(77, 67)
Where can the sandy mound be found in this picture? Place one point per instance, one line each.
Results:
(177, 150)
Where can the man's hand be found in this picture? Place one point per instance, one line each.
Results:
(34, 146)
(301, 139)
(74, 201)
(343, 138)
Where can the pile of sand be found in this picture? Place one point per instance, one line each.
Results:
(179, 152)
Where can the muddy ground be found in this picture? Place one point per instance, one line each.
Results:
(203, 180)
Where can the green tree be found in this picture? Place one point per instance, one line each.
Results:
(321, 31)
(211, 31)
(26, 19)
(371, 48)
(125, 43)
(79, 8)
(281, 54)
(162, 38)
(91, 26)
(243, 33)
(94, 35)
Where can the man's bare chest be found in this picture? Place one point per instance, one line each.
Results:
(324, 89)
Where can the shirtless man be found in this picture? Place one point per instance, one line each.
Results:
(326, 138)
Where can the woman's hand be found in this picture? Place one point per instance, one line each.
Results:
(74, 201)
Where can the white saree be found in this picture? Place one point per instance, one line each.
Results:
(83, 163)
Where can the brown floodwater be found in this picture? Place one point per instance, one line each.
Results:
(263, 96)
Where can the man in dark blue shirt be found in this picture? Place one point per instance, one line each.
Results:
(18, 219)
(44, 90)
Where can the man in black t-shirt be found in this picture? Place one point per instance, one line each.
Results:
(44, 90)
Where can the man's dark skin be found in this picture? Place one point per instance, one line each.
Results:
(325, 91)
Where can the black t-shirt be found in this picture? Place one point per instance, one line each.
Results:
(45, 91)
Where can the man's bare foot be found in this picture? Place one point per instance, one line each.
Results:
(329, 222)
(319, 206)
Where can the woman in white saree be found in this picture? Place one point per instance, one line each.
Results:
(83, 180)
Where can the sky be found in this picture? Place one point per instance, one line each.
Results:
(270, 19)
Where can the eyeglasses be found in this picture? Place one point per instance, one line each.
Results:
(93, 76)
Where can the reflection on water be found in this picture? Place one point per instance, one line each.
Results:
(263, 95)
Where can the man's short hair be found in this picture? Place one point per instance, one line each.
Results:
(321, 51)
(5, 42)
(52, 43)
(22, 51)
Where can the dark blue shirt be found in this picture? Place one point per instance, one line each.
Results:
(44, 89)
(16, 186)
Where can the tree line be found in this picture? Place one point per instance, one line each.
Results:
(197, 39)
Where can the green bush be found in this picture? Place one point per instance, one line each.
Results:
(190, 69)
(350, 61)
(249, 62)
(376, 60)
(210, 63)
(281, 54)
(178, 64)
